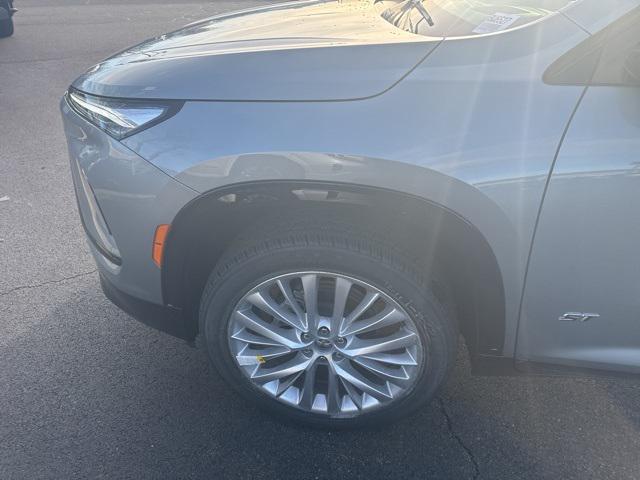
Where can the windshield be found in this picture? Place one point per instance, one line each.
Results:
(453, 18)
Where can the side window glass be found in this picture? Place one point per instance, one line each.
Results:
(610, 57)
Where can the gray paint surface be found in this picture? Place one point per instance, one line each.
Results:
(586, 247)
(329, 50)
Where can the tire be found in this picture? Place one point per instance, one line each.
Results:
(335, 247)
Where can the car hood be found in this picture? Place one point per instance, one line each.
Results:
(313, 50)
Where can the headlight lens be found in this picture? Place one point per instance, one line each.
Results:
(121, 117)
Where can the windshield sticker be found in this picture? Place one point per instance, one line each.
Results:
(496, 22)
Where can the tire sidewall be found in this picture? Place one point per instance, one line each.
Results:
(229, 284)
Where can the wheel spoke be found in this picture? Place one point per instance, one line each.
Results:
(265, 374)
(290, 299)
(352, 393)
(368, 300)
(310, 287)
(246, 336)
(341, 294)
(252, 356)
(308, 387)
(333, 391)
(286, 337)
(346, 371)
(388, 316)
(286, 383)
(399, 339)
(404, 358)
(265, 303)
(386, 372)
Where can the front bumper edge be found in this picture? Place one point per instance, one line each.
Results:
(164, 318)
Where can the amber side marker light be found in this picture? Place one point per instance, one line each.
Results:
(158, 243)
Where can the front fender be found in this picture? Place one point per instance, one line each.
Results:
(437, 134)
(464, 200)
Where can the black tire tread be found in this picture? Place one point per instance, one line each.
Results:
(297, 232)
(302, 233)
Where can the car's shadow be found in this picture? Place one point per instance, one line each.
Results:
(99, 394)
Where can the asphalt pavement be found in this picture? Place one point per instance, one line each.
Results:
(86, 392)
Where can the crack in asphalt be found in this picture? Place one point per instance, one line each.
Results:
(49, 282)
(457, 438)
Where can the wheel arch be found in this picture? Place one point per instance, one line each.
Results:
(204, 227)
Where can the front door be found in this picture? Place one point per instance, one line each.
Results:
(581, 305)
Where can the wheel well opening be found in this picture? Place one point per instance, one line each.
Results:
(436, 239)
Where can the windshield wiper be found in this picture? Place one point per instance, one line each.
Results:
(418, 5)
(400, 15)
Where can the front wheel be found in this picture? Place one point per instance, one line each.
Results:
(326, 327)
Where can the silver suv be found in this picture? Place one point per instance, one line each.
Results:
(330, 193)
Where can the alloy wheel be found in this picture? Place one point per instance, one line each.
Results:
(325, 343)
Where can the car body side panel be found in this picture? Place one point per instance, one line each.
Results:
(585, 256)
(473, 128)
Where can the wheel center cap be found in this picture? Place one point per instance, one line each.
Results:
(323, 343)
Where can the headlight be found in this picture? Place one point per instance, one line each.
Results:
(121, 117)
